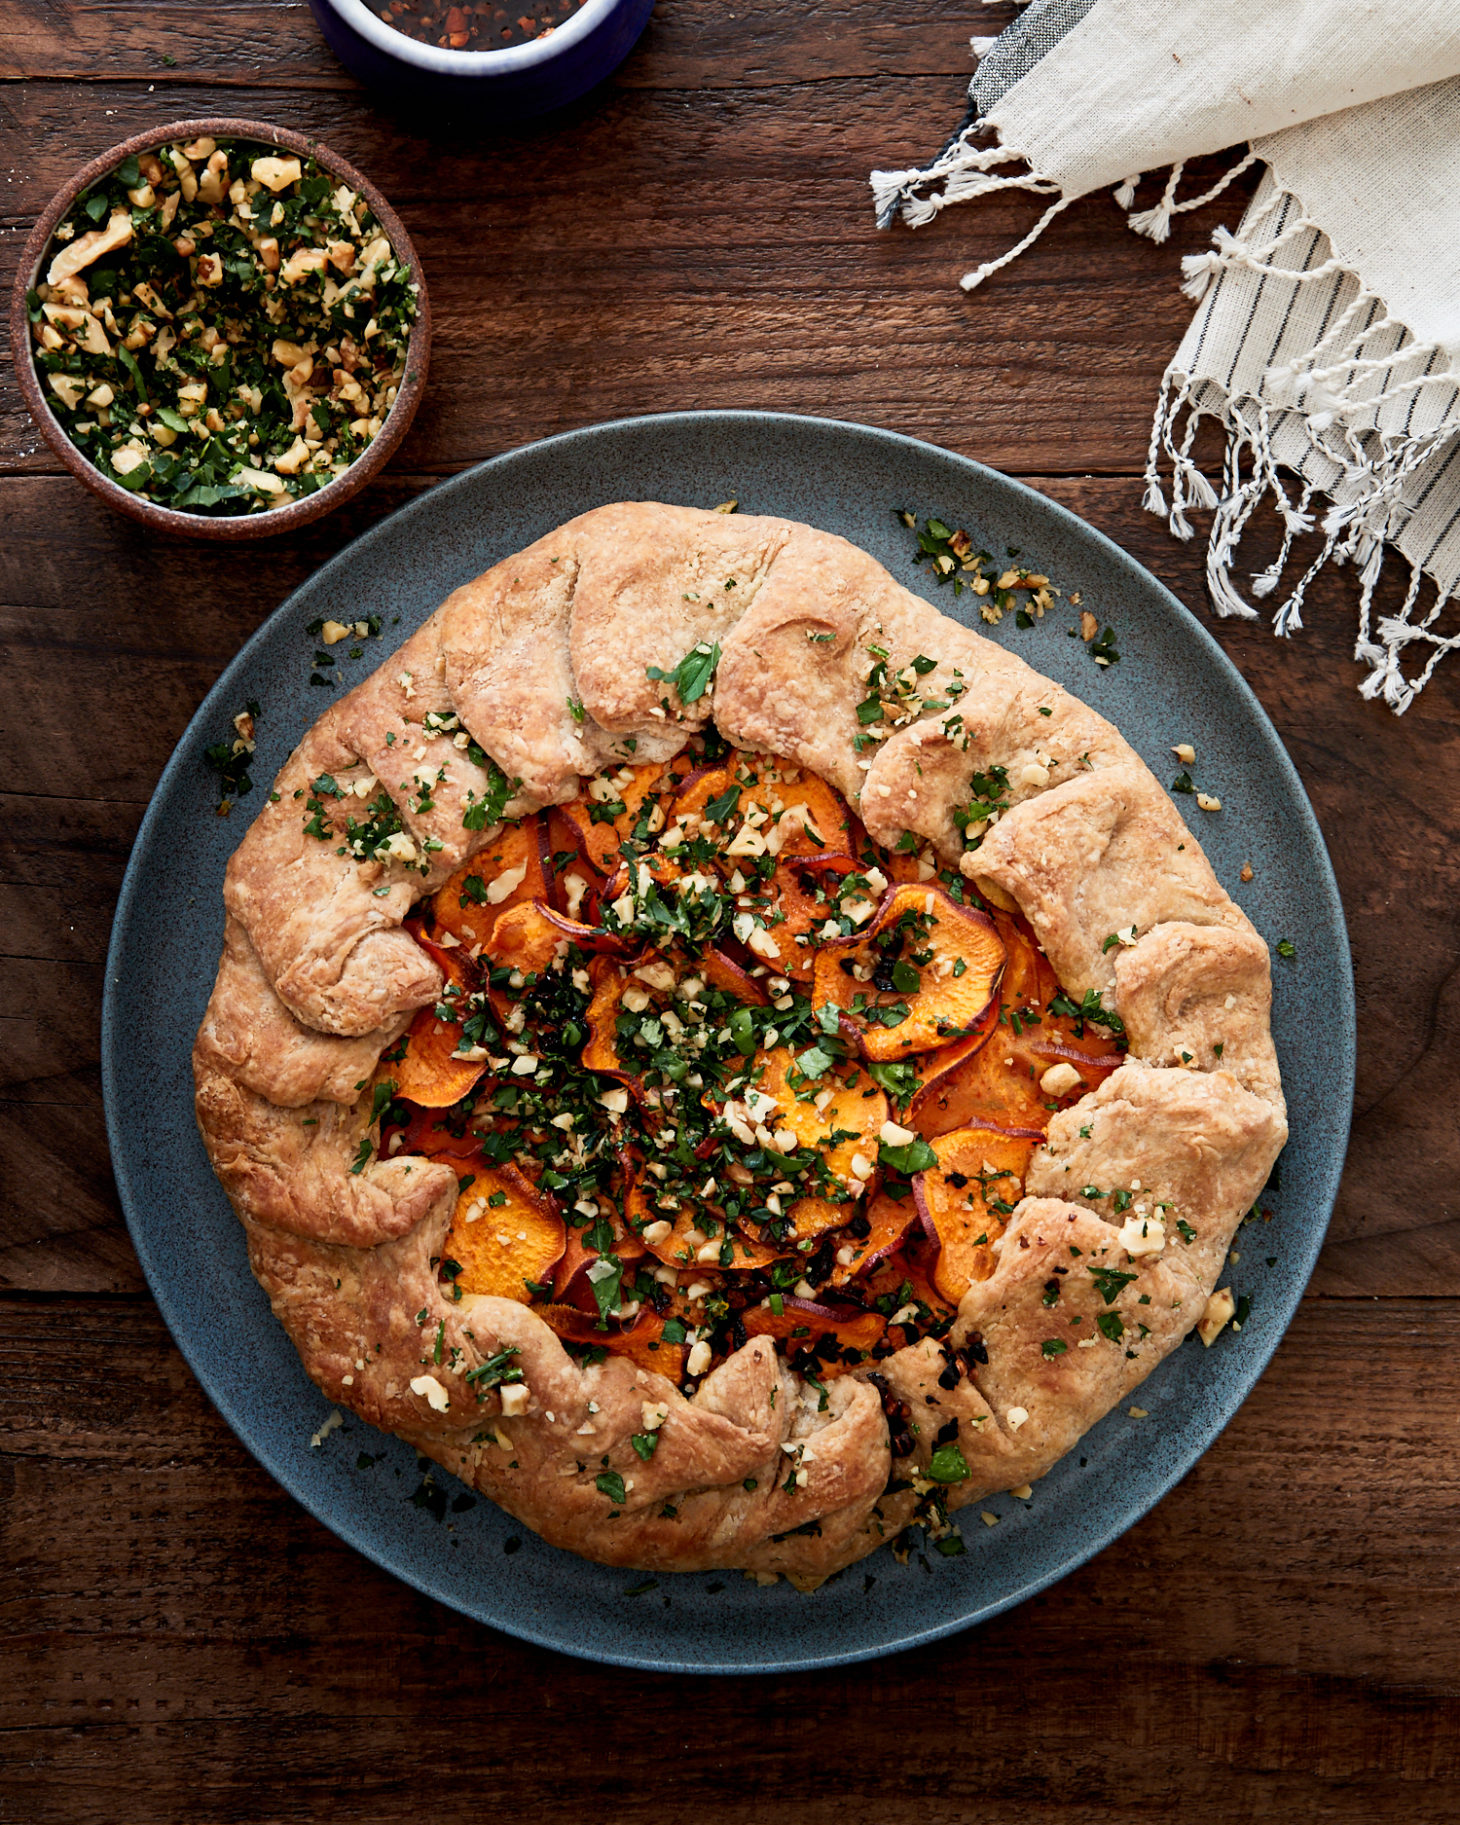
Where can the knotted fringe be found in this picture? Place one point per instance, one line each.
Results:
(1155, 223)
(1330, 395)
(965, 170)
(1365, 519)
(962, 171)
(1327, 399)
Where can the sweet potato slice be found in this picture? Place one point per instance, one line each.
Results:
(642, 1341)
(504, 1233)
(609, 979)
(800, 903)
(527, 937)
(923, 973)
(429, 1075)
(904, 870)
(748, 1252)
(988, 1088)
(750, 804)
(675, 1246)
(966, 1200)
(890, 1219)
(578, 1253)
(812, 1217)
(907, 1274)
(814, 819)
(1001, 1083)
(600, 830)
(850, 1102)
(508, 872)
(801, 1324)
(426, 1132)
(672, 1231)
(724, 973)
(612, 978)
(575, 886)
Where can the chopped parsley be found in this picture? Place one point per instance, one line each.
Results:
(691, 677)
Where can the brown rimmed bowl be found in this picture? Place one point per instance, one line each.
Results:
(198, 525)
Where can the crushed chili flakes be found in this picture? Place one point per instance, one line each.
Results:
(475, 27)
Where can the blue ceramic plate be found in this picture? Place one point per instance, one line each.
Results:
(1172, 684)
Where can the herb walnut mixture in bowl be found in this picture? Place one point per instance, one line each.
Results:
(226, 331)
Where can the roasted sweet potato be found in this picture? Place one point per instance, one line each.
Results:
(762, 811)
(578, 1254)
(672, 1231)
(429, 1075)
(642, 1341)
(526, 938)
(965, 1201)
(907, 1275)
(610, 978)
(922, 973)
(507, 873)
(600, 829)
(426, 1132)
(798, 904)
(504, 1233)
(890, 1220)
(636, 875)
(802, 1323)
(1001, 1084)
(905, 870)
(575, 886)
(726, 974)
(842, 1098)
(812, 1217)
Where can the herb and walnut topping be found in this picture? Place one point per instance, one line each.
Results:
(709, 1065)
(221, 328)
(953, 559)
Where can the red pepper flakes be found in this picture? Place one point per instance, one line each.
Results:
(482, 27)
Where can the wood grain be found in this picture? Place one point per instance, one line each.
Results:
(1243, 1656)
(182, 1642)
(632, 282)
(689, 44)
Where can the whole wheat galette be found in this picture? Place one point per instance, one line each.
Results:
(724, 1059)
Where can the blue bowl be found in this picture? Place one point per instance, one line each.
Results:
(490, 88)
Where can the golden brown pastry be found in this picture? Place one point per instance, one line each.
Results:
(1141, 1103)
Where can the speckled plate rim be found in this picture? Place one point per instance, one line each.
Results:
(750, 1632)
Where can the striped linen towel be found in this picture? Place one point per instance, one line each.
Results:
(1326, 339)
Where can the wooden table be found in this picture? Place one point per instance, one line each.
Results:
(1279, 1638)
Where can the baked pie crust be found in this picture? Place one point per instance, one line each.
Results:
(560, 669)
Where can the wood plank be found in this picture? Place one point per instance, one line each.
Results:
(688, 44)
(1412, 1264)
(1265, 1645)
(713, 249)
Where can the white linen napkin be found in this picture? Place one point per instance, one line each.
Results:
(1327, 335)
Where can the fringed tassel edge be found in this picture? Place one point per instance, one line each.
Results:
(1357, 532)
(964, 170)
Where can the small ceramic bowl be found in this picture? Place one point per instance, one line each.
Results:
(485, 88)
(170, 519)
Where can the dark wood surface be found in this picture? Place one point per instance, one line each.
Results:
(1278, 1639)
